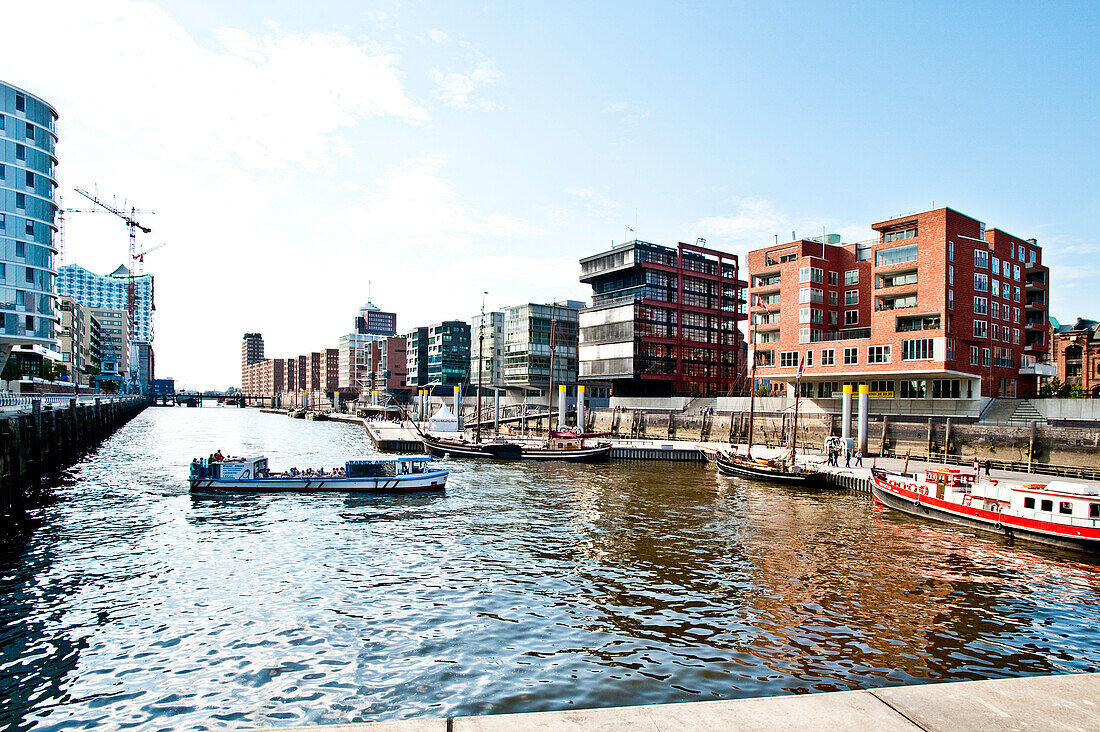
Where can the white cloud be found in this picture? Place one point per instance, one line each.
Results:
(460, 89)
(438, 36)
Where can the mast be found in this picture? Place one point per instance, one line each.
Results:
(794, 420)
(752, 384)
(550, 397)
(480, 361)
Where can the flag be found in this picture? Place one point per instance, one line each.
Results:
(760, 304)
(801, 365)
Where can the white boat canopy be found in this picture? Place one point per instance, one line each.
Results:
(443, 421)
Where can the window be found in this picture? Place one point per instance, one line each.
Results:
(809, 274)
(985, 357)
(878, 354)
(851, 297)
(899, 234)
(950, 251)
(832, 275)
(1016, 294)
(1, 121)
(3, 222)
(1015, 315)
(30, 131)
(1006, 269)
(951, 274)
(20, 103)
(950, 299)
(995, 309)
(1065, 507)
(851, 317)
(896, 279)
(996, 265)
(981, 306)
(995, 288)
(20, 249)
(917, 349)
(981, 329)
(825, 389)
(20, 152)
(30, 228)
(1029, 502)
(1046, 505)
(788, 359)
(1016, 336)
(981, 282)
(945, 389)
(882, 387)
(851, 356)
(973, 355)
(851, 277)
(896, 255)
(810, 315)
(1016, 272)
(29, 322)
(912, 389)
(1094, 510)
(28, 274)
(981, 258)
(30, 179)
(809, 358)
(833, 298)
(828, 357)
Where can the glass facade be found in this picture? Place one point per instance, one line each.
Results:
(28, 307)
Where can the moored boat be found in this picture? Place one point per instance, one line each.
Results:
(776, 471)
(560, 446)
(1058, 513)
(378, 473)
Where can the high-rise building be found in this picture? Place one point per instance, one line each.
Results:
(252, 351)
(371, 325)
(439, 355)
(416, 357)
(663, 321)
(386, 370)
(72, 339)
(373, 321)
(114, 329)
(28, 312)
(935, 307)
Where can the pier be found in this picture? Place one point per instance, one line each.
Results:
(1062, 702)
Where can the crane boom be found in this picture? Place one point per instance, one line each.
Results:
(129, 219)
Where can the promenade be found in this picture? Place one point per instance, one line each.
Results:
(1035, 703)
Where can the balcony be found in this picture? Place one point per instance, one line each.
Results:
(1035, 305)
(853, 334)
(767, 326)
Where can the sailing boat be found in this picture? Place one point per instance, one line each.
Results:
(557, 445)
(782, 469)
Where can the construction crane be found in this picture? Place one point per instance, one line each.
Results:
(134, 226)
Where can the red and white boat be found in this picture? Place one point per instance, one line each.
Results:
(1058, 513)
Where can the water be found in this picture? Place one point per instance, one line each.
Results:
(525, 587)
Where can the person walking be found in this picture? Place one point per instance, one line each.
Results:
(987, 468)
(859, 458)
(847, 457)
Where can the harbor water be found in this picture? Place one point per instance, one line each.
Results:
(130, 603)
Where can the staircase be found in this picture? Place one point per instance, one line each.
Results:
(1012, 413)
(698, 404)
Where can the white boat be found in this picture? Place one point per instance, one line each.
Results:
(378, 473)
(1059, 513)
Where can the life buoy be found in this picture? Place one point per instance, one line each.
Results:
(924, 490)
(995, 508)
(966, 500)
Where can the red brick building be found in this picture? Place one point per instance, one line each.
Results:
(935, 307)
(387, 364)
(1075, 351)
(663, 321)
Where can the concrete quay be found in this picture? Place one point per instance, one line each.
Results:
(1034, 703)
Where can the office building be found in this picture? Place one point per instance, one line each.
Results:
(487, 339)
(386, 370)
(373, 321)
(527, 335)
(663, 321)
(371, 325)
(936, 306)
(72, 338)
(114, 329)
(28, 209)
(416, 356)
(438, 356)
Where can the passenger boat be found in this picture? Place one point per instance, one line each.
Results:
(379, 473)
(565, 446)
(1058, 513)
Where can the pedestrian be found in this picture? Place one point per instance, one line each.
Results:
(987, 468)
(977, 466)
(847, 457)
(859, 458)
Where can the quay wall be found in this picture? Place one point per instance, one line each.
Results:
(37, 444)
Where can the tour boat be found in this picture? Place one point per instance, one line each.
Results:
(379, 473)
(559, 446)
(1058, 513)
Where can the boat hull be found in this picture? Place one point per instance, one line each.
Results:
(1006, 525)
(513, 451)
(742, 470)
(435, 480)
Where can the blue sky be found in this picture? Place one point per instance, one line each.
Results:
(294, 151)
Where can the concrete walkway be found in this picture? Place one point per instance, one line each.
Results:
(1068, 702)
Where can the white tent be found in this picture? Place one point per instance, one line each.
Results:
(443, 421)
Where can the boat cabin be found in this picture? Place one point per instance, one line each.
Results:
(949, 479)
(1059, 501)
(563, 441)
(239, 468)
(386, 466)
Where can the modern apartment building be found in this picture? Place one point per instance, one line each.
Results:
(935, 307)
(386, 370)
(72, 338)
(114, 332)
(487, 340)
(373, 321)
(663, 321)
(28, 313)
(371, 325)
(439, 355)
(528, 332)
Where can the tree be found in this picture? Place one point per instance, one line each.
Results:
(11, 371)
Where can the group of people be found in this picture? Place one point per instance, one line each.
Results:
(835, 453)
(319, 473)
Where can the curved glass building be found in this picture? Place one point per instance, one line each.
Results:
(28, 209)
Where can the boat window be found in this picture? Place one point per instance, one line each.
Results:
(1065, 507)
(1046, 506)
(1094, 510)
(1029, 502)
(370, 471)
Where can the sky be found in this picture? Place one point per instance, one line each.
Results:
(302, 157)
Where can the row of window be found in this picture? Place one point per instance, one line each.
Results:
(917, 349)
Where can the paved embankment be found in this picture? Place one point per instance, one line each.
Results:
(1066, 702)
